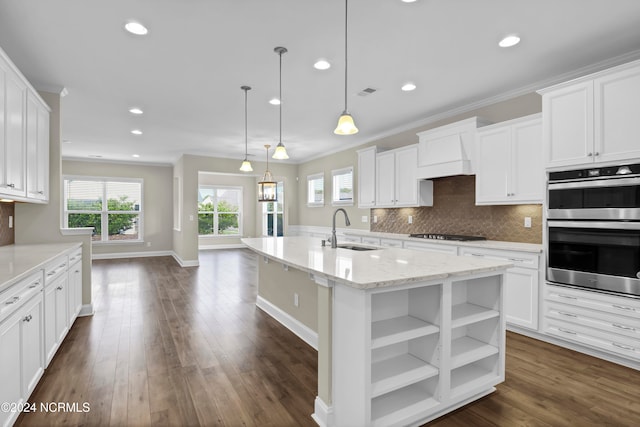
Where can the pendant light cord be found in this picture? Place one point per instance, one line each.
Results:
(245, 122)
(280, 94)
(346, 10)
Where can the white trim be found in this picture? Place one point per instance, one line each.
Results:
(86, 310)
(310, 179)
(185, 263)
(80, 231)
(116, 255)
(305, 333)
(322, 413)
(225, 246)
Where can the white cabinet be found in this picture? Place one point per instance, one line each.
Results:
(74, 304)
(24, 137)
(21, 357)
(397, 184)
(432, 247)
(592, 119)
(605, 322)
(521, 287)
(509, 167)
(367, 177)
(56, 296)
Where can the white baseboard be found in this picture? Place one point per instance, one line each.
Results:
(225, 246)
(185, 263)
(322, 414)
(305, 333)
(116, 255)
(86, 310)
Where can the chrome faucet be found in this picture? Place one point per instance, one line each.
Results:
(334, 241)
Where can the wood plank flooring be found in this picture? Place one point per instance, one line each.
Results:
(171, 346)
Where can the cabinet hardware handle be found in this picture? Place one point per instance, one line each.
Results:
(516, 259)
(11, 185)
(626, 328)
(77, 271)
(28, 318)
(40, 192)
(479, 255)
(59, 288)
(590, 155)
(13, 301)
(596, 154)
(566, 331)
(623, 307)
(567, 296)
(564, 313)
(622, 346)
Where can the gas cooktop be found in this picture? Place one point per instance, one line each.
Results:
(447, 237)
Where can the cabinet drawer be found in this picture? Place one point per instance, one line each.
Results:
(625, 306)
(602, 321)
(371, 241)
(611, 343)
(55, 268)
(75, 256)
(434, 247)
(518, 259)
(391, 243)
(19, 293)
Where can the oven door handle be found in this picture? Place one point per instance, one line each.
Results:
(611, 182)
(610, 225)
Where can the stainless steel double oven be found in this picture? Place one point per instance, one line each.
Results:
(593, 228)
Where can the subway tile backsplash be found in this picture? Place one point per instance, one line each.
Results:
(7, 235)
(454, 212)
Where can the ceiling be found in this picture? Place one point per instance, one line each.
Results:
(186, 73)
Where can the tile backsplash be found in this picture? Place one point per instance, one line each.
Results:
(7, 235)
(454, 212)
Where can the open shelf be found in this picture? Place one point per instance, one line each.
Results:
(403, 403)
(480, 374)
(390, 331)
(467, 313)
(396, 372)
(465, 350)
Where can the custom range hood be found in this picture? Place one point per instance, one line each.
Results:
(448, 150)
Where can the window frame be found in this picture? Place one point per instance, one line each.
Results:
(310, 179)
(216, 214)
(334, 174)
(104, 212)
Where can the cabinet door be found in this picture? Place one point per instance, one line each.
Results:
(32, 341)
(75, 291)
(367, 178)
(568, 125)
(10, 389)
(385, 180)
(406, 180)
(617, 103)
(521, 297)
(43, 154)
(527, 170)
(50, 337)
(37, 137)
(492, 166)
(62, 300)
(15, 150)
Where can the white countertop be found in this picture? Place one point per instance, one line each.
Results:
(368, 269)
(488, 244)
(18, 261)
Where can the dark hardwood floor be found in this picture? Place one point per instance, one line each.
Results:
(187, 347)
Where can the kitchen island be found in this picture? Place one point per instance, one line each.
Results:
(403, 336)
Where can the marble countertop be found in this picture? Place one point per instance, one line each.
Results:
(18, 261)
(488, 244)
(368, 269)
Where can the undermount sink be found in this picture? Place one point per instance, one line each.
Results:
(357, 248)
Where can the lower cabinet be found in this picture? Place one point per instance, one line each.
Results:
(74, 304)
(522, 282)
(434, 247)
(428, 348)
(605, 322)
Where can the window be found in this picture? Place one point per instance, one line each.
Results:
(315, 190)
(342, 194)
(112, 206)
(273, 214)
(219, 210)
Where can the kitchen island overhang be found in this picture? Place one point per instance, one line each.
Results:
(403, 336)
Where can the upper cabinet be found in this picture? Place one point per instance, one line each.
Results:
(397, 184)
(24, 138)
(367, 177)
(509, 167)
(593, 119)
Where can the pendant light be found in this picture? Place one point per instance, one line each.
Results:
(281, 152)
(267, 186)
(246, 164)
(346, 126)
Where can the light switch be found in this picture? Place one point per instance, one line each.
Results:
(10, 221)
(365, 218)
(527, 222)
(410, 219)
(375, 218)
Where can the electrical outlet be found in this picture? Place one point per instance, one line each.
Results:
(296, 300)
(527, 222)
(148, 244)
(10, 221)
(375, 218)
(410, 219)
(190, 217)
(365, 218)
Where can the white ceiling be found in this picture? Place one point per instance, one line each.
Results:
(187, 72)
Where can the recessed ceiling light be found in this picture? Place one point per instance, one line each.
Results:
(135, 110)
(135, 155)
(322, 64)
(136, 28)
(510, 40)
(409, 1)
(136, 132)
(408, 87)
(66, 141)
(274, 101)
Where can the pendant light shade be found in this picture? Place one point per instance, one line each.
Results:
(281, 152)
(267, 187)
(246, 164)
(346, 126)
